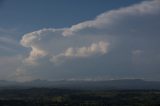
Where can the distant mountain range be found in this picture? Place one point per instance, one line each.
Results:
(84, 85)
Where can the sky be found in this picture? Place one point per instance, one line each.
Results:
(79, 39)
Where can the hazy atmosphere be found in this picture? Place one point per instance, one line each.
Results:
(79, 39)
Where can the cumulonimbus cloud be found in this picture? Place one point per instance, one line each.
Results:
(106, 19)
(38, 40)
(51, 43)
(98, 36)
(83, 52)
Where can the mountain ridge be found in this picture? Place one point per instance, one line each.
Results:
(83, 84)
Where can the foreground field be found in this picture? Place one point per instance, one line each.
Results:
(63, 97)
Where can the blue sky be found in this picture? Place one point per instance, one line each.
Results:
(29, 15)
(79, 39)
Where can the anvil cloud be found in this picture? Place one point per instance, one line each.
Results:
(120, 43)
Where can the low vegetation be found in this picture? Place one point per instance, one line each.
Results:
(64, 97)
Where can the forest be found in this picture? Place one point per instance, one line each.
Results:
(70, 97)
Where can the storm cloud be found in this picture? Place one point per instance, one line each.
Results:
(122, 43)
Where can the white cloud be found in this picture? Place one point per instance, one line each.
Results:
(108, 18)
(82, 52)
(51, 43)
(55, 42)
(35, 54)
(119, 33)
